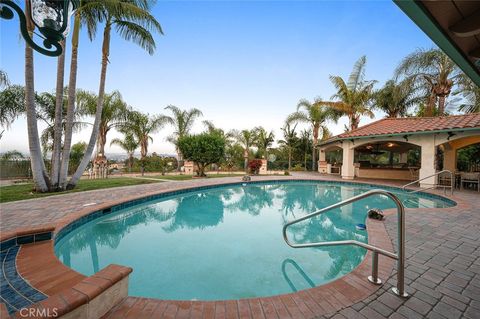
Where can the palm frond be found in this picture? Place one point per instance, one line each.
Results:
(137, 34)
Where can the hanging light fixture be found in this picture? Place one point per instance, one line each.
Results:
(50, 17)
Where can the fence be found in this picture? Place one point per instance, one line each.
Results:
(10, 169)
(283, 165)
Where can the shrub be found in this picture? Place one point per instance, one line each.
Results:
(202, 149)
(254, 166)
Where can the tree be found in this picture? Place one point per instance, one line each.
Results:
(113, 115)
(57, 123)
(76, 154)
(129, 144)
(46, 106)
(305, 145)
(12, 105)
(203, 149)
(471, 95)
(13, 155)
(316, 114)
(263, 140)
(290, 141)
(246, 138)
(434, 74)
(182, 122)
(395, 99)
(142, 126)
(354, 95)
(40, 176)
(133, 22)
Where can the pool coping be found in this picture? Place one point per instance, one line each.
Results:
(347, 286)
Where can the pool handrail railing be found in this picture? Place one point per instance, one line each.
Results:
(400, 256)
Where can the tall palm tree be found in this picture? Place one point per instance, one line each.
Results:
(182, 122)
(129, 144)
(246, 138)
(290, 141)
(435, 74)
(86, 12)
(353, 97)
(263, 140)
(316, 114)
(133, 22)
(305, 145)
(58, 119)
(142, 126)
(395, 99)
(113, 115)
(40, 176)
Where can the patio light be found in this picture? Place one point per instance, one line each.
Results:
(50, 17)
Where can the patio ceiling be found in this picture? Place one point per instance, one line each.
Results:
(454, 26)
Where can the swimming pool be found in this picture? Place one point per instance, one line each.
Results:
(225, 242)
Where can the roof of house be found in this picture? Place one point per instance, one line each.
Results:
(411, 125)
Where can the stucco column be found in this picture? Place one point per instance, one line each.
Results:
(403, 157)
(449, 159)
(348, 170)
(428, 163)
(322, 155)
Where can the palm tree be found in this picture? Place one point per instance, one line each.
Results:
(290, 141)
(40, 176)
(246, 138)
(113, 115)
(133, 22)
(85, 12)
(471, 95)
(354, 95)
(316, 114)
(305, 145)
(58, 119)
(396, 99)
(47, 112)
(12, 105)
(129, 144)
(142, 126)
(435, 75)
(263, 140)
(182, 122)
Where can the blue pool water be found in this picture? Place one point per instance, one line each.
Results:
(226, 242)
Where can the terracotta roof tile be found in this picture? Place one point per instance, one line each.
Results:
(414, 125)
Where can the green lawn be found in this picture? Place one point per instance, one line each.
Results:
(25, 191)
(190, 177)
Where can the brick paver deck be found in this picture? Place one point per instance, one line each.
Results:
(442, 274)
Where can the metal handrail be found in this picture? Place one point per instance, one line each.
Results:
(400, 257)
(436, 184)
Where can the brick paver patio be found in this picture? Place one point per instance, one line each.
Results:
(443, 257)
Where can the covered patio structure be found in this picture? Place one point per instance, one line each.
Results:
(400, 148)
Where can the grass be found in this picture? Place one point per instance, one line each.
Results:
(25, 191)
(190, 177)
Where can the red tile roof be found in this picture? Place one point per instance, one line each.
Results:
(412, 125)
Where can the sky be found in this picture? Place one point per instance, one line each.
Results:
(243, 63)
